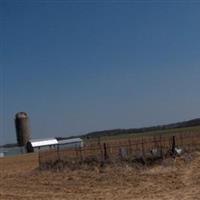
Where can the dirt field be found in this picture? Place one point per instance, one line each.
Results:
(179, 179)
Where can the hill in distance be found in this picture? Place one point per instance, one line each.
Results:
(114, 132)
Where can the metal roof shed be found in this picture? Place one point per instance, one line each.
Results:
(74, 142)
(38, 143)
(69, 141)
(43, 142)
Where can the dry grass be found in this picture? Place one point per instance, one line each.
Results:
(140, 146)
(179, 179)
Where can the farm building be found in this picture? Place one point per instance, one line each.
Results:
(70, 143)
(35, 145)
(11, 151)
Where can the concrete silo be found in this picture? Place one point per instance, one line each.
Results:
(22, 128)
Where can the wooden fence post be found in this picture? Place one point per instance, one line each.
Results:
(81, 156)
(130, 147)
(101, 152)
(58, 154)
(173, 145)
(39, 159)
(105, 152)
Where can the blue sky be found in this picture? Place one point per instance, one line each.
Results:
(78, 66)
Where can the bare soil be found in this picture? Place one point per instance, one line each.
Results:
(173, 179)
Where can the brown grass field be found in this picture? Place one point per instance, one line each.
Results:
(173, 179)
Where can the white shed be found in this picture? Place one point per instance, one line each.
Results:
(41, 143)
(36, 144)
(70, 143)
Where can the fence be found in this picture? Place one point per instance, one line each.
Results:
(141, 147)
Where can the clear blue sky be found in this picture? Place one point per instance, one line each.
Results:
(77, 66)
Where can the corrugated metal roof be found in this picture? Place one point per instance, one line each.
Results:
(53, 141)
(70, 141)
(43, 142)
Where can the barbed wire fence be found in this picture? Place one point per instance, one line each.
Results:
(143, 149)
